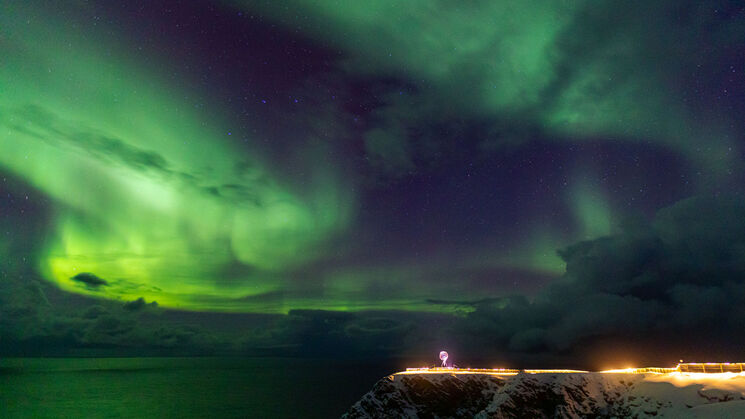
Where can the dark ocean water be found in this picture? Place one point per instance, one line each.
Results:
(183, 387)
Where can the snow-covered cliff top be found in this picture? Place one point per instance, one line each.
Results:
(443, 395)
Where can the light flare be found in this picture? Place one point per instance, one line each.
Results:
(685, 373)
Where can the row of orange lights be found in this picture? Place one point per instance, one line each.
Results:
(688, 367)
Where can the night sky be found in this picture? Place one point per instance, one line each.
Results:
(512, 180)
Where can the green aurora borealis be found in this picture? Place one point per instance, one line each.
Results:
(147, 192)
(168, 190)
(578, 69)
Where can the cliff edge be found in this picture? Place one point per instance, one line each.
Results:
(559, 395)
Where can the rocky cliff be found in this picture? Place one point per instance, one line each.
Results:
(560, 395)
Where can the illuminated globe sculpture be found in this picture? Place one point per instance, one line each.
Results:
(444, 358)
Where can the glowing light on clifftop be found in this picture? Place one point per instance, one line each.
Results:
(555, 371)
(691, 371)
(685, 367)
(446, 370)
(642, 370)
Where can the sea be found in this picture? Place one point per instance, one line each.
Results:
(184, 387)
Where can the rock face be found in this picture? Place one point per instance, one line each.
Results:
(565, 395)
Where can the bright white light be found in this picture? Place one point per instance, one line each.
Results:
(444, 358)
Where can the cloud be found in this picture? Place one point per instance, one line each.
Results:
(43, 124)
(90, 280)
(342, 334)
(139, 304)
(680, 275)
(40, 123)
(94, 312)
